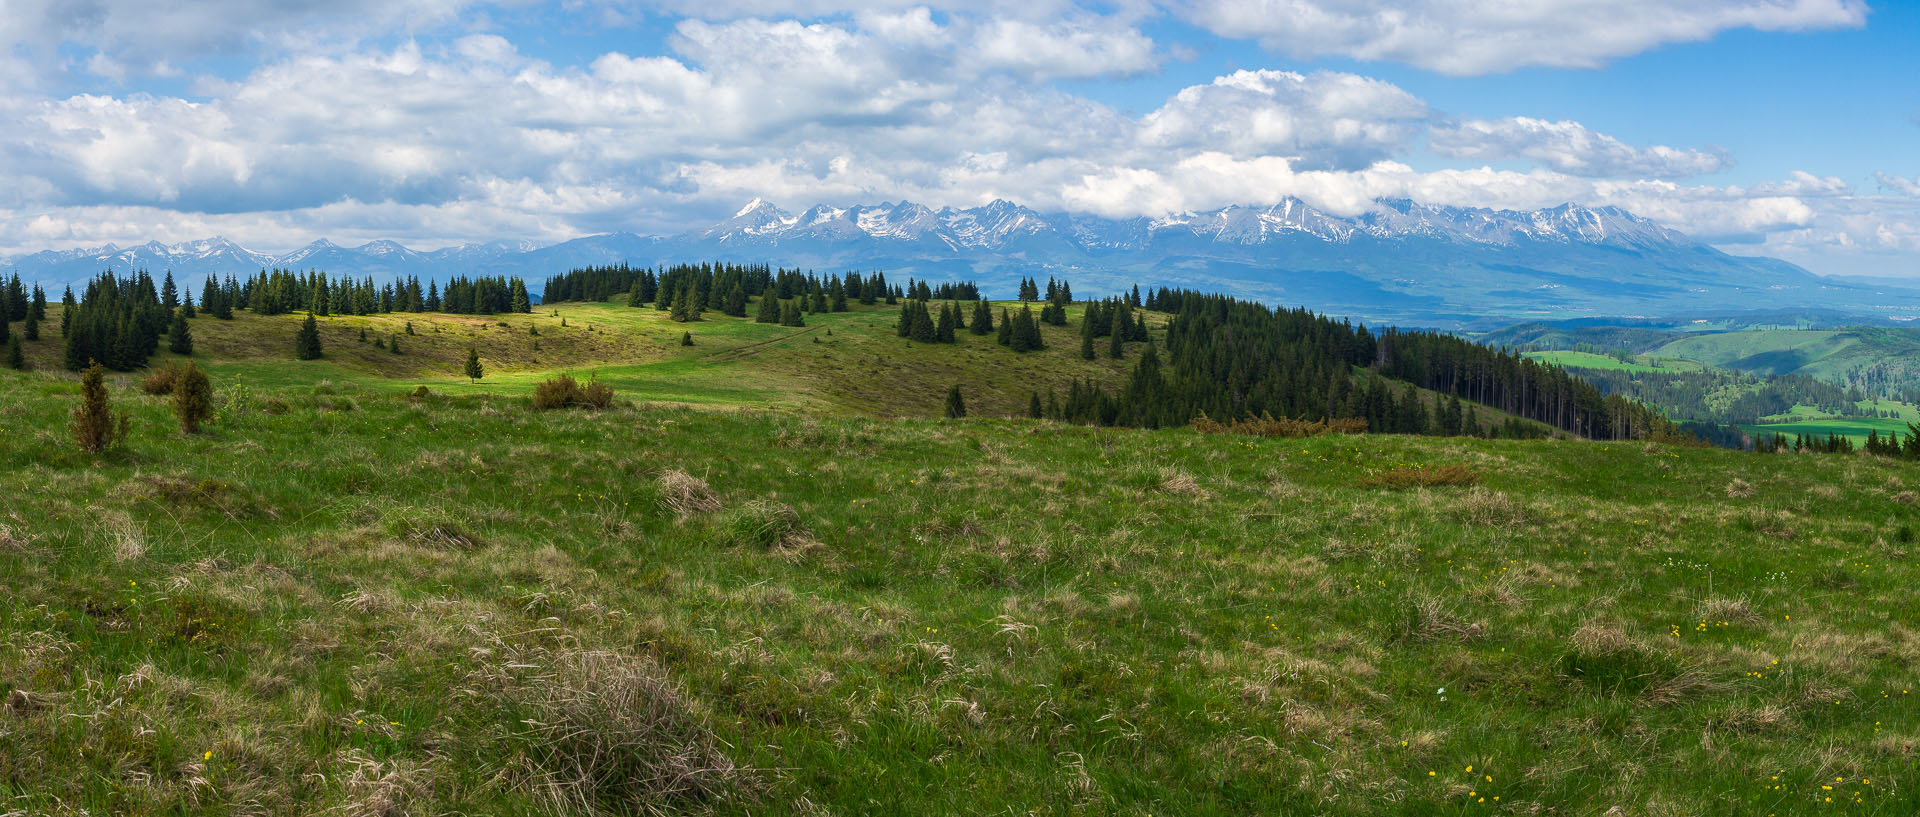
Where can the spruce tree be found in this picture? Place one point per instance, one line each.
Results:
(683, 306)
(31, 329)
(1004, 335)
(306, 343)
(179, 337)
(1086, 335)
(1033, 405)
(686, 338)
(93, 425)
(923, 327)
(790, 314)
(943, 330)
(1026, 331)
(956, 405)
(192, 398)
(16, 359)
(473, 370)
(736, 304)
(769, 308)
(982, 318)
(1117, 333)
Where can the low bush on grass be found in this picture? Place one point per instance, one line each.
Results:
(565, 392)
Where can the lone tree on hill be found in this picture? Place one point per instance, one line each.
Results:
(179, 336)
(192, 399)
(93, 423)
(473, 364)
(956, 405)
(306, 344)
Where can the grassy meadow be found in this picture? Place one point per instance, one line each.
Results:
(763, 583)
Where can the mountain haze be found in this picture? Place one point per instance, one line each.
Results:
(1402, 261)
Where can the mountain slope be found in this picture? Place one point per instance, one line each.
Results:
(1404, 262)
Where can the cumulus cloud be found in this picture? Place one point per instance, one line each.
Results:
(1319, 120)
(1467, 37)
(1569, 147)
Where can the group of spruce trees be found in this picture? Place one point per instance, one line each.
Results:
(30, 311)
(1230, 359)
(278, 291)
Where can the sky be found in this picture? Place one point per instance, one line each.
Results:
(1788, 128)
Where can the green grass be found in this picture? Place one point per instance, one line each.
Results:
(1589, 360)
(339, 600)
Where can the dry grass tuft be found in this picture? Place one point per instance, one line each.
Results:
(1492, 509)
(1739, 488)
(1737, 611)
(1432, 621)
(1430, 476)
(1596, 640)
(1687, 684)
(686, 494)
(1183, 483)
(609, 734)
(430, 529)
(394, 788)
(13, 542)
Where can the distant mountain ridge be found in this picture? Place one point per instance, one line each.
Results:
(1401, 260)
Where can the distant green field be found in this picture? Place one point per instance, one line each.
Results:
(1589, 360)
(1855, 428)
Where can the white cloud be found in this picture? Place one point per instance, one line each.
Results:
(1569, 147)
(1319, 120)
(1897, 184)
(1467, 37)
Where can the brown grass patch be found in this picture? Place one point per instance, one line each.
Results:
(1430, 620)
(1183, 483)
(1739, 488)
(1430, 476)
(1492, 509)
(609, 734)
(1266, 426)
(686, 494)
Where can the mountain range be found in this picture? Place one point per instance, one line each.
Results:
(1402, 261)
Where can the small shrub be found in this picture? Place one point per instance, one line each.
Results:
(563, 391)
(162, 381)
(419, 393)
(192, 399)
(94, 426)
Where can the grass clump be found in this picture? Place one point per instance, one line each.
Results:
(767, 524)
(609, 734)
(161, 381)
(685, 494)
(425, 527)
(562, 391)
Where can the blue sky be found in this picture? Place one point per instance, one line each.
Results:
(1779, 127)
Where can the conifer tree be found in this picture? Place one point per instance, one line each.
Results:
(923, 330)
(473, 370)
(1086, 335)
(31, 329)
(179, 337)
(736, 303)
(683, 306)
(1117, 333)
(169, 295)
(769, 308)
(1004, 335)
(903, 326)
(192, 398)
(982, 318)
(686, 338)
(306, 343)
(93, 425)
(943, 331)
(956, 405)
(522, 302)
(1026, 331)
(16, 359)
(838, 296)
(1033, 405)
(819, 302)
(790, 314)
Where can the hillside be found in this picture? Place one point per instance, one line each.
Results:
(341, 600)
